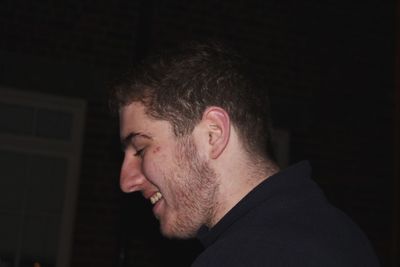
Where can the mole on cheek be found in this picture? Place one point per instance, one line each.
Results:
(157, 149)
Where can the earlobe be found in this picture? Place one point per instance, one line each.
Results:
(218, 128)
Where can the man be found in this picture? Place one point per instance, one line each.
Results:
(195, 133)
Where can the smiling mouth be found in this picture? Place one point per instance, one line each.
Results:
(155, 198)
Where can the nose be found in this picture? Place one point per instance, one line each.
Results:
(131, 177)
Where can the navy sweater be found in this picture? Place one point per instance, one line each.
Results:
(285, 221)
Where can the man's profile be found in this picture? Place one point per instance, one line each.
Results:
(195, 131)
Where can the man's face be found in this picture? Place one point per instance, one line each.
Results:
(168, 171)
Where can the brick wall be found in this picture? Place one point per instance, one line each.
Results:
(327, 65)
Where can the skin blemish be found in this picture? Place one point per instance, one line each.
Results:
(156, 150)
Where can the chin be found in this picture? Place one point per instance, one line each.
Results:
(174, 232)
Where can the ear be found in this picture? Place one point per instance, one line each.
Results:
(218, 126)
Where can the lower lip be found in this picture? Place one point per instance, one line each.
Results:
(156, 207)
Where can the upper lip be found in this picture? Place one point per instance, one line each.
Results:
(149, 194)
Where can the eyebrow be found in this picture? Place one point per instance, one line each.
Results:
(128, 139)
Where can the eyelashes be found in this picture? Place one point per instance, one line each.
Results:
(139, 153)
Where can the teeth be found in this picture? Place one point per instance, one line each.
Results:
(155, 198)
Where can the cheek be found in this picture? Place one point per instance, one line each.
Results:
(156, 163)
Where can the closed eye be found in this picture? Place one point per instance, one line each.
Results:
(139, 153)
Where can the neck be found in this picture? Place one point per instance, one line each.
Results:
(237, 181)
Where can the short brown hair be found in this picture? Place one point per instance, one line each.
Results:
(178, 87)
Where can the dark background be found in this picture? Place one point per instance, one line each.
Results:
(328, 65)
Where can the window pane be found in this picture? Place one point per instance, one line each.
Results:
(16, 119)
(47, 183)
(13, 180)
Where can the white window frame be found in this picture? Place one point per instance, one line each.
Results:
(71, 150)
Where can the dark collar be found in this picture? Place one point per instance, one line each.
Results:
(294, 175)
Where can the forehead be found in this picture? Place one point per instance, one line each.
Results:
(134, 112)
(133, 119)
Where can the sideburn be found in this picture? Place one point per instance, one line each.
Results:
(200, 187)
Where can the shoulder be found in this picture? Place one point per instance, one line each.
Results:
(243, 251)
(292, 239)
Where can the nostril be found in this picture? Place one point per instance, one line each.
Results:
(131, 182)
(127, 185)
